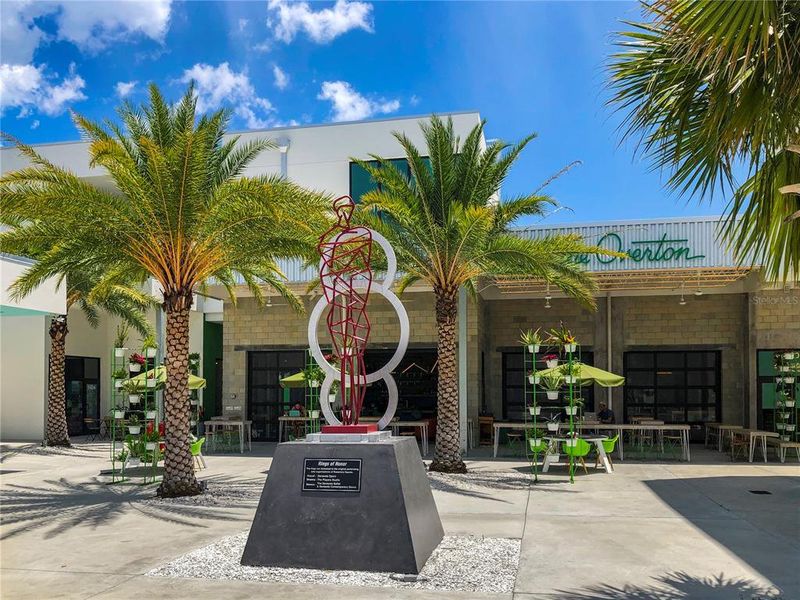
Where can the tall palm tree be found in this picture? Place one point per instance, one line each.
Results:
(181, 213)
(449, 230)
(86, 290)
(709, 88)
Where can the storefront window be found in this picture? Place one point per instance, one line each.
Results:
(673, 386)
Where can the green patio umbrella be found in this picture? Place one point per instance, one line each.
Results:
(589, 375)
(139, 383)
(297, 380)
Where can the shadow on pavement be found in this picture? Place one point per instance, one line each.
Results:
(674, 586)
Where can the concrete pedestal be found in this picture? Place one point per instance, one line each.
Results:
(364, 506)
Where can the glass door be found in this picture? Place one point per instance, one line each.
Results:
(266, 399)
(82, 381)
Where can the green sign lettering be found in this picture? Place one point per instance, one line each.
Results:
(662, 250)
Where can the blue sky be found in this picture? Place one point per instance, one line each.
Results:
(527, 67)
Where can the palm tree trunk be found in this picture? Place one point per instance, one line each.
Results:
(447, 455)
(57, 433)
(179, 479)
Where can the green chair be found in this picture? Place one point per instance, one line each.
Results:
(608, 446)
(196, 449)
(578, 452)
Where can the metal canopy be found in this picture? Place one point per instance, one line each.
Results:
(645, 279)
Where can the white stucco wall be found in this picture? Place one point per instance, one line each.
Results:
(24, 347)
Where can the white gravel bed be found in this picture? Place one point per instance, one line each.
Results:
(460, 563)
(476, 481)
(218, 494)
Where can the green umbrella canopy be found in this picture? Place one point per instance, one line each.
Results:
(139, 383)
(589, 375)
(298, 380)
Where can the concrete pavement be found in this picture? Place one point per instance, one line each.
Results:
(650, 530)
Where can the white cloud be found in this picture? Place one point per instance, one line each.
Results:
(35, 124)
(90, 26)
(26, 87)
(124, 88)
(414, 100)
(287, 19)
(263, 47)
(218, 86)
(349, 105)
(243, 24)
(281, 78)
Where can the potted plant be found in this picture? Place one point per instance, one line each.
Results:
(133, 425)
(784, 415)
(535, 410)
(571, 410)
(314, 414)
(790, 355)
(533, 377)
(790, 426)
(535, 441)
(194, 361)
(119, 412)
(331, 398)
(135, 362)
(150, 381)
(151, 440)
(121, 457)
(551, 383)
(193, 401)
(551, 360)
(572, 440)
(313, 374)
(120, 339)
(150, 415)
(552, 424)
(563, 337)
(780, 426)
(149, 346)
(570, 372)
(134, 398)
(785, 379)
(119, 376)
(532, 339)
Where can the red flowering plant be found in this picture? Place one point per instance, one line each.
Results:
(549, 357)
(137, 358)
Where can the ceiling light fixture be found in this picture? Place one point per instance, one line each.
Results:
(698, 291)
(547, 296)
(683, 299)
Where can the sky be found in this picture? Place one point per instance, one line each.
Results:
(526, 67)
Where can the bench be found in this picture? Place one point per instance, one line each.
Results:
(782, 446)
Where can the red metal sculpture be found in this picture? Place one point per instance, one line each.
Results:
(346, 278)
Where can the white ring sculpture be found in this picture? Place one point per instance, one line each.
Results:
(331, 374)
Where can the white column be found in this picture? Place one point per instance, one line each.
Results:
(462, 367)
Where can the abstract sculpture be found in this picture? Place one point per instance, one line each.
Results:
(346, 277)
(347, 281)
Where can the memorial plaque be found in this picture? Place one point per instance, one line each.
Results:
(332, 475)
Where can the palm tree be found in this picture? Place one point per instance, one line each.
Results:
(449, 229)
(87, 290)
(181, 213)
(711, 87)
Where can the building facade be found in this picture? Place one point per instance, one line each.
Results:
(691, 331)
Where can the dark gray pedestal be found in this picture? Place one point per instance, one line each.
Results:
(390, 525)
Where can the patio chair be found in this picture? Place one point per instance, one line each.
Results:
(578, 452)
(196, 448)
(513, 438)
(608, 446)
(92, 427)
(739, 443)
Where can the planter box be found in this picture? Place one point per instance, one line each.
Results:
(150, 445)
(552, 394)
(193, 402)
(314, 414)
(117, 383)
(784, 415)
(551, 364)
(790, 426)
(534, 379)
(571, 442)
(134, 367)
(783, 368)
(192, 423)
(151, 383)
(786, 438)
(780, 426)
(789, 403)
(150, 415)
(552, 427)
(134, 429)
(150, 352)
(789, 355)
(571, 410)
(535, 410)
(134, 398)
(119, 352)
(314, 383)
(119, 414)
(570, 379)
(536, 443)
(331, 398)
(785, 379)
(533, 348)
(570, 347)
(133, 462)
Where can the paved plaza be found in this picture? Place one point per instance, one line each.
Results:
(664, 530)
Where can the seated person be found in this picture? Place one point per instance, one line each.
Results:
(605, 414)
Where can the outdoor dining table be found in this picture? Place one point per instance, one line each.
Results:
(720, 428)
(214, 424)
(423, 430)
(756, 434)
(288, 419)
(597, 440)
(682, 429)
